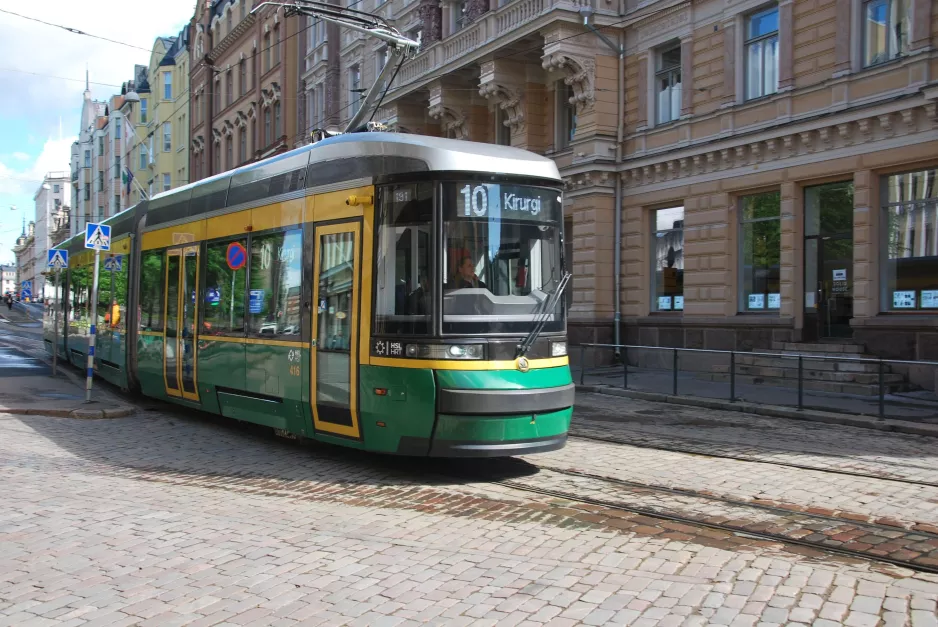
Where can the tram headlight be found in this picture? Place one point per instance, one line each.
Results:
(558, 349)
(445, 351)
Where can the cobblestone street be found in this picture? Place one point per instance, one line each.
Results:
(166, 518)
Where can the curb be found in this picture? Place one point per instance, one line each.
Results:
(85, 414)
(860, 422)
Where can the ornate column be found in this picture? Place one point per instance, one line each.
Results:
(501, 82)
(574, 58)
(431, 19)
(451, 109)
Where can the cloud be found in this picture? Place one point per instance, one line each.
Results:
(26, 46)
(25, 180)
(20, 156)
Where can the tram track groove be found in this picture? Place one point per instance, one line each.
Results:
(687, 520)
(574, 433)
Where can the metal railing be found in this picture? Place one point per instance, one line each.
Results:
(801, 358)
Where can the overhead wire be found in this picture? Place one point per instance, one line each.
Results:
(74, 31)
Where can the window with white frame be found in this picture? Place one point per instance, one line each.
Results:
(761, 53)
(143, 157)
(354, 89)
(668, 83)
(167, 85)
(167, 182)
(167, 137)
(886, 28)
(143, 110)
(87, 158)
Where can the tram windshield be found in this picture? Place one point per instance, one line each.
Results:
(501, 257)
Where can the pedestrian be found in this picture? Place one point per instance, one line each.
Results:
(9, 299)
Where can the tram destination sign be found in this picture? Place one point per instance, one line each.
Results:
(507, 202)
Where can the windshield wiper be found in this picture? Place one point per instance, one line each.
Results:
(549, 303)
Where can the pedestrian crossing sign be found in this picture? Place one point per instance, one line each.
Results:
(97, 236)
(58, 259)
(114, 262)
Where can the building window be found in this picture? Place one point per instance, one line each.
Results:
(55, 189)
(760, 233)
(117, 202)
(100, 180)
(886, 28)
(167, 85)
(229, 88)
(502, 130)
(910, 278)
(761, 50)
(150, 149)
(117, 167)
(460, 13)
(267, 52)
(167, 137)
(143, 110)
(87, 191)
(667, 242)
(277, 131)
(216, 98)
(117, 128)
(276, 44)
(87, 158)
(417, 35)
(229, 153)
(267, 127)
(100, 145)
(243, 76)
(668, 84)
(354, 88)
(143, 158)
(242, 145)
(167, 182)
(381, 60)
(566, 115)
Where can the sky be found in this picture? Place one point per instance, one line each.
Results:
(42, 77)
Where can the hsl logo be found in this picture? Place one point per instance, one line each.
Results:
(524, 205)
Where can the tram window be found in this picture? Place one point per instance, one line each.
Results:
(151, 291)
(79, 322)
(276, 272)
(336, 264)
(105, 279)
(403, 291)
(112, 298)
(223, 299)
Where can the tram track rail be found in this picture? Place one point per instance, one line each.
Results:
(691, 450)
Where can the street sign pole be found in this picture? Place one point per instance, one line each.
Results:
(55, 322)
(94, 318)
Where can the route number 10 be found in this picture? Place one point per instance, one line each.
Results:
(475, 199)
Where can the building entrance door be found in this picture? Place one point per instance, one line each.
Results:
(828, 261)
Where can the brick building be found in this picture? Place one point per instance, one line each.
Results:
(243, 82)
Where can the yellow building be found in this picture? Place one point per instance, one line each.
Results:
(166, 110)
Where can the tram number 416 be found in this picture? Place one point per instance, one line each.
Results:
(295, 370)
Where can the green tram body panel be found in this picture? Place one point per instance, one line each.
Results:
(494, 409)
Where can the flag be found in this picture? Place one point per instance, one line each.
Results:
(127, 177)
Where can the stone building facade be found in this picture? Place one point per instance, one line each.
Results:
(242, 83)
(737, 172)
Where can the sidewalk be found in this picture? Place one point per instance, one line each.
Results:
(27, 387)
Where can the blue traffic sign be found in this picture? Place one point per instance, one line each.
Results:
(114, 262)
(58, 259)
(97, 236)
(255, 301)
(26, 285)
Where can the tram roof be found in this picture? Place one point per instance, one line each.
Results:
(438, 154)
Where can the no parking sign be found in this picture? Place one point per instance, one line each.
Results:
(236, 256)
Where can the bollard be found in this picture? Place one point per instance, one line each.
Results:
(800, 383)
(674, 386)
(625, 368)
(882, 390)
(582, 364)
(732, 377)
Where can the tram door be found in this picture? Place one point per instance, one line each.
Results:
(179, 369)
(334, 350)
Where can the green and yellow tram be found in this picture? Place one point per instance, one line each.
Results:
(382, 291)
